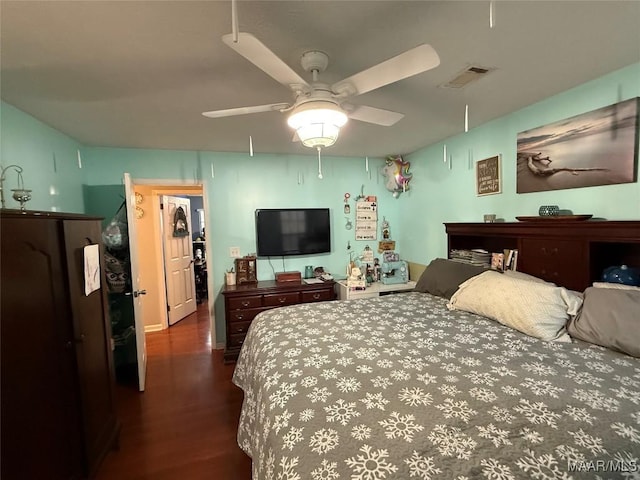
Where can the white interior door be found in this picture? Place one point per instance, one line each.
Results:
(178, 259)
(138, 291)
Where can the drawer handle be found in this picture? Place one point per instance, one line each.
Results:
(555, 250)
(240, 342)
(246, 303)
(316, 296)
(543, 250)
(543, 271)
(282, 299)
(239, 316)
(239, 329)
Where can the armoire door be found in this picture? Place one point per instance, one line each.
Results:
(92, 339)
(40, 426)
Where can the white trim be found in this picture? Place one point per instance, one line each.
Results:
(210, 280)
(152, 328)
(169, 183)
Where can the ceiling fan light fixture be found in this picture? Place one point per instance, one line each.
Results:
(317, 123)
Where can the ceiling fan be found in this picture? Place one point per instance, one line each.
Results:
(319, 109)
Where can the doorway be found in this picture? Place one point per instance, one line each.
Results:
(150, 244)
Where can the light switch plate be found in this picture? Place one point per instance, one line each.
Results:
(234, 252)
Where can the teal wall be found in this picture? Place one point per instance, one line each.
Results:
(49, 160)
(241, 184)
(446, 193)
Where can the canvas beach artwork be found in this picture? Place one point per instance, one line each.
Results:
(595, 148)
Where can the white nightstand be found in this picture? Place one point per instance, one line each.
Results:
(375, 290)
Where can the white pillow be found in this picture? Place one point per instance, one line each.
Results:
(617, 286)
(537, 309)
(525, 276)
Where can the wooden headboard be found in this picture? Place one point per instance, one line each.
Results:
(571, 254)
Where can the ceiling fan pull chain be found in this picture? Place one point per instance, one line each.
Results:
(319, 164)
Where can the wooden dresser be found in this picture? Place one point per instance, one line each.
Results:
(58, 407)
(243, 302)
(575, 251)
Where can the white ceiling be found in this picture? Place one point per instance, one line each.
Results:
(139, 73)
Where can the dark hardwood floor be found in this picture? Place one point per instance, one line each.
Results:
(184, 425)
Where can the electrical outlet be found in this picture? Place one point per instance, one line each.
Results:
(234, 252)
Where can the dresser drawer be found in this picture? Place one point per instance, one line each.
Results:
(280, 299)
(236, 341)
(245, 302)
(317, 296)
(239, 327)
(243, 315)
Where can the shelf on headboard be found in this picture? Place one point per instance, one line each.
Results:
(568, 253)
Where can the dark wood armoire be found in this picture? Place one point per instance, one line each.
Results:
(58, 410)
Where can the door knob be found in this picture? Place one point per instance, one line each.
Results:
(137, 293)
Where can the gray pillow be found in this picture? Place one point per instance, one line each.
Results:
(610, 318)
(443, 277)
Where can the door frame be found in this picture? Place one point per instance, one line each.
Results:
(178, 184)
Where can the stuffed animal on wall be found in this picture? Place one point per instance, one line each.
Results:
(396, 172)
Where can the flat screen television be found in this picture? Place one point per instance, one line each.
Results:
(292, 231)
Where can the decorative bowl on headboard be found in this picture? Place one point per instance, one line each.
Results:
(548, 210)
(622, 274)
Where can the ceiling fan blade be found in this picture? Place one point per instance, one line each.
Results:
(257, 53)
(230, 112)
(414, 61)
(377, 116)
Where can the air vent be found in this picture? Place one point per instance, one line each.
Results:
(468, 75)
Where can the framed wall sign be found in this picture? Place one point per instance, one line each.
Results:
(488, 176)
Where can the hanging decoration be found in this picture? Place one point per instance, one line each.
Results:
(397, 175)
(367, 218)
(386, 233)
(348, 226)
(466, 118)
(492, 14)
(347, 207)
(180, 227)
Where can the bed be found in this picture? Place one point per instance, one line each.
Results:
(409, 386)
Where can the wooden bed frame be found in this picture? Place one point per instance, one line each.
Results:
(571, 254)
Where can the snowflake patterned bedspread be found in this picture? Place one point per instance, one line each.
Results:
(400, 387)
